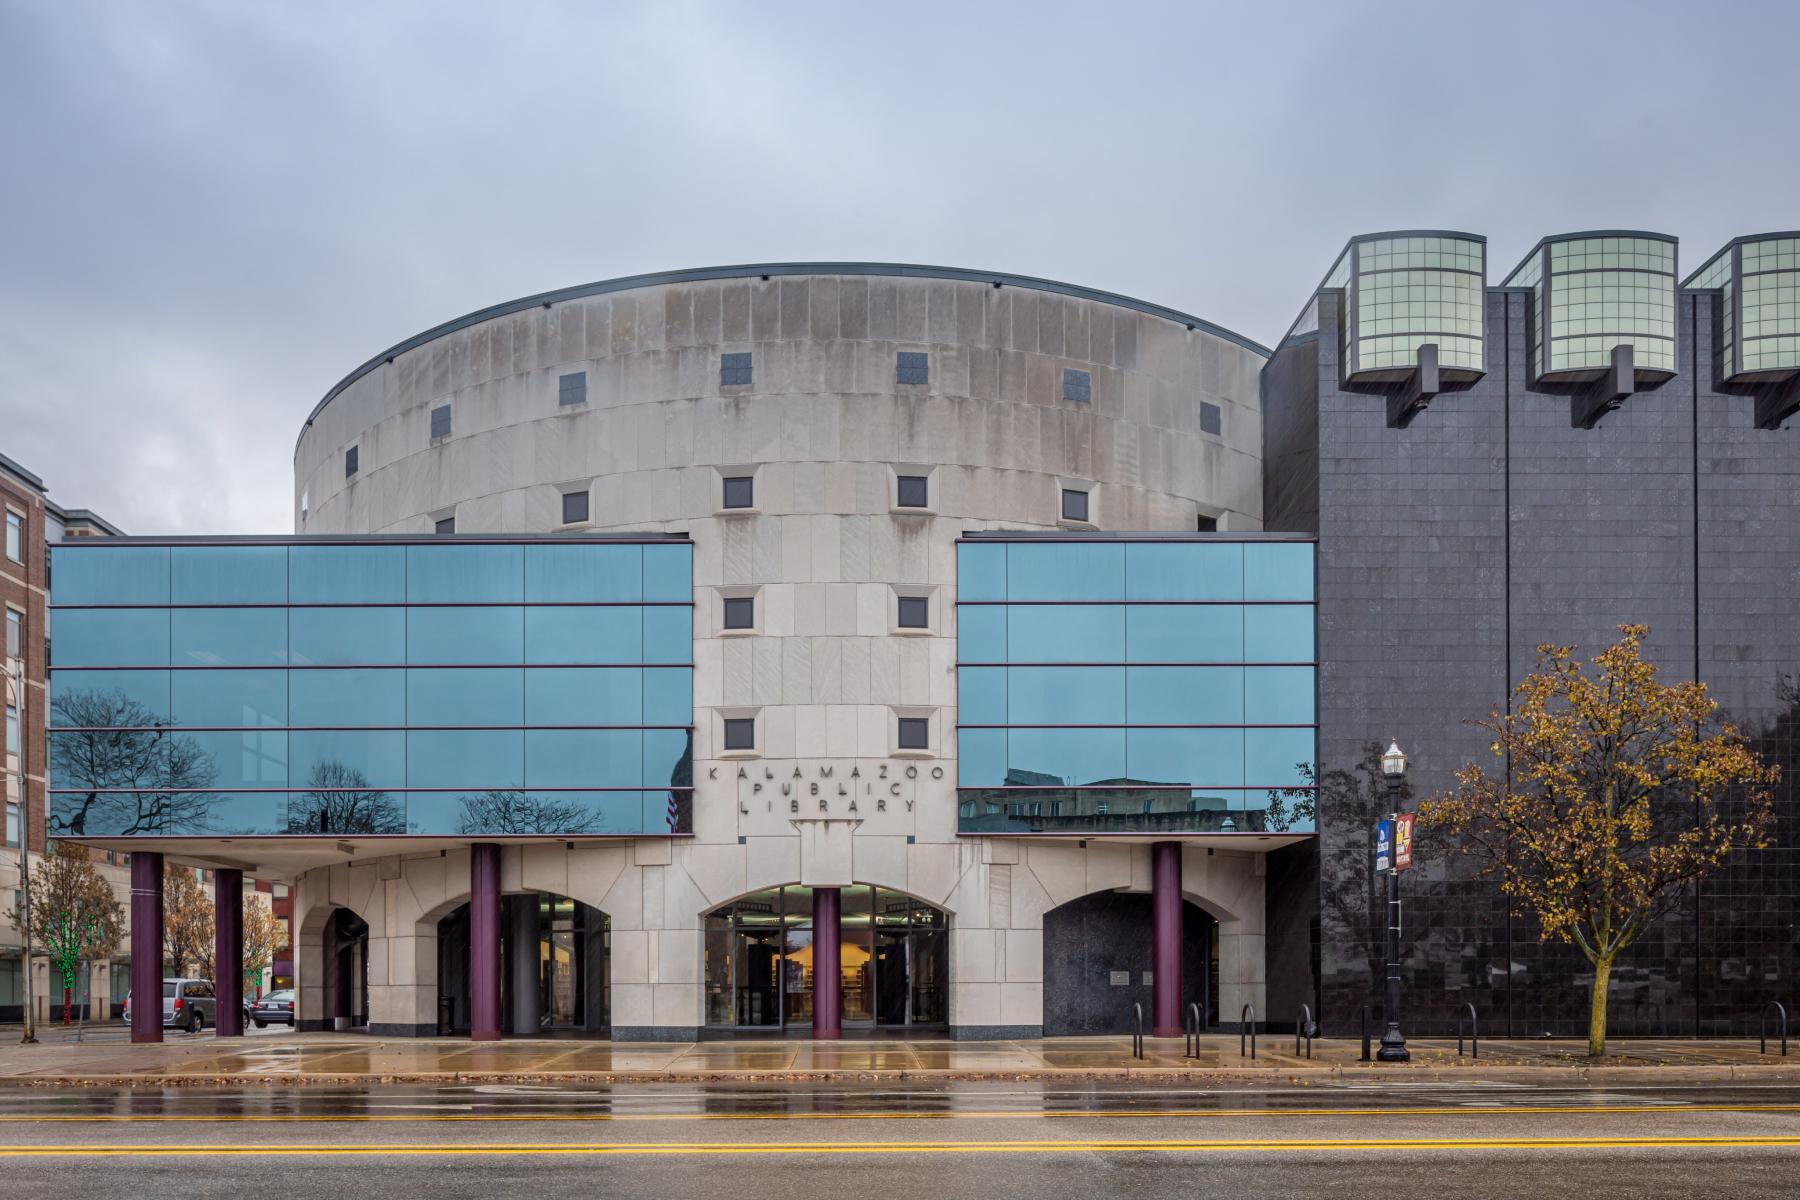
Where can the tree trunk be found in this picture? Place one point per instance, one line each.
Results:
(1597, 1011)
(65, 1004)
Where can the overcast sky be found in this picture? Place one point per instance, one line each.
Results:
(210, 212)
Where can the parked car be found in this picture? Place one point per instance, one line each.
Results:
(276, 1008)
(186, 1004)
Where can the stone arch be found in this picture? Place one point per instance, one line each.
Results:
(341, 959)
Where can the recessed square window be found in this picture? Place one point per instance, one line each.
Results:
(1074, 505)
(740, 733)
(1206, 524)
(734, 369)
(1077, 385)
(912, 366)
(913, 491)
(440, 421)
(571, 389)
(740, 612)
(445, 525)
(350, 461)
(740, 491)
(574, 507)
(15, 536)
(915, 733)
(1211, 419)
(915, 613)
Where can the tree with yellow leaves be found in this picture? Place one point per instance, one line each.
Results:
(187, 922)
(1612, 792)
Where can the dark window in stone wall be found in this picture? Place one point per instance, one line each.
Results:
(740, 733)
(912, 366)
(1211, 419)
(1074, 505)
(915, 733)
(575, 507)
(734, 369)
(350, 461)
(915, 612)
(740, 492)
(571, 389)
(440, 421)
(740, 612)
(1077, 385)
(913, 492)
(1206, 524)
(445, 525)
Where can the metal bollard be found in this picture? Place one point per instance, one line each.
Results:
(1303, 1028)
(1365, 1034)
(1137, 1031)
(1247, 1021)
(1781, 1026)
(1474, 1038)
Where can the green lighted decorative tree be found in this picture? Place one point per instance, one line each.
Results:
(263, 936)
(74, 914)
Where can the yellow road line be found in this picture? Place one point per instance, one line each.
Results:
(670, 1149)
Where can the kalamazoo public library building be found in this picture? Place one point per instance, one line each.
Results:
(837, 647)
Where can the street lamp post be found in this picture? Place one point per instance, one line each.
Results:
(17, 682)
(1393, 1042)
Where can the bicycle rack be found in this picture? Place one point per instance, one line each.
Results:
(1247, 1021)
(1190, 1042)
(1474, 1038)
(1303, 1028)
(1365, 1034)
(1780, 1025)
(1137, 1031)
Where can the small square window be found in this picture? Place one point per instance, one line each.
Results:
(440, 421)
(913, 492)
(740, 491)
(1077, 385)
(915, 733)
(912, 366)
(1206, 524)
(571, 389)
(350, 461)
(740, 733)
(1074, 505)
(1211, 419)
(446, 525)
(734, 369)
(740, 612)
(915, 613)
(574, 508)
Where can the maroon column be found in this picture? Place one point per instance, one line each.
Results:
(1165, 933)
(146, 946)
(228, 951)
(484, 942)
(828, 971)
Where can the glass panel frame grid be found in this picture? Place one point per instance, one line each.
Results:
(1594, 293)
(1402, 292)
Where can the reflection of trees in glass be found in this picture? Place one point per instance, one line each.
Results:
(520, 812)
(141, 776)
(1290, 806)
(1351, 898)
(681, 803)
(339, 799)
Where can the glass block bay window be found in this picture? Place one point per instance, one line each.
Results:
(1403, 291)
(1592, 293)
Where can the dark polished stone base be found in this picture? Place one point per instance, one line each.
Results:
(402, 1029)
(316, 1025)
(655, 1033)
(995, 1033)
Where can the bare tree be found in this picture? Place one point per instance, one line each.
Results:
(339, 800)
(140, 775)
(520, 812)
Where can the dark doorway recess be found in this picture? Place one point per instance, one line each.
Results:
(1097, 963)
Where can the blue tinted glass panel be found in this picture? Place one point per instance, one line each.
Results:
(1189, 757)
(981, 633)
(584, 635)
(465, 635)
(346, 810)
(1185, 571)
(1073, 757)
(228, 575)
(1278, 571)
(465, 574)
(108, 697)
(110, 575)
(1185, 695)
(1270, 756)
(331, 759)
(364, 696)
(230, 697)
(668, 635)
(980, 572)
(111, 638)
(1093, 633)
(250, 758)
(583, 571)
(668, 696)
(981, 695)
(228, 637)
(1278, 695)
(347, 636)
(668, 757)
(1184, 633)
(584, 696)
(1278, 633)
(476, 759)
(1065, 571)
(466, 696)
(981, 757)
(228, 813)
(1066, 695)
(122, 760)
(346, 574)
(669, 572)
(584, 758)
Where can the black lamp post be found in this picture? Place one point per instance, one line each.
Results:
(1393, 1042)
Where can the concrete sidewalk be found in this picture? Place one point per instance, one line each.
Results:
(337, 1059)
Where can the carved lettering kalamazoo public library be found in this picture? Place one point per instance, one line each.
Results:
(828, 787)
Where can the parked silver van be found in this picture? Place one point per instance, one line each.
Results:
(186, 1004)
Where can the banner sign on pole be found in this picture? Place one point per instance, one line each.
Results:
(1403, 842)
(1384, 846)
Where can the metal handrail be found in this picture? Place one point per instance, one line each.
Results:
(1190, 1042)
(1474, 1036)
(1781, 1026)
(1303, 1028)
(1365, 1034)
(1137, 1031)
(1247, 1020)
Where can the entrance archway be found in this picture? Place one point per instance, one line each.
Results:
(1097, 954)
(556, 967)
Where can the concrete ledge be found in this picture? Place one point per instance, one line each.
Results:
(384, 1029)
(655, 1033)
(996, 1033)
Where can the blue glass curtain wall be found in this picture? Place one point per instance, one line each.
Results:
(372, 688)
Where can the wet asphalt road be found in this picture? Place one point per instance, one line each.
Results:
(944, 1141)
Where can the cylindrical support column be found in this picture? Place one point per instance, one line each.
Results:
(146, 946)
(1165, 944)
(228, 951)
(526, 966)
(828, 972)
(484, 942)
